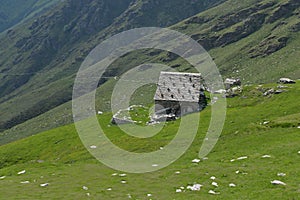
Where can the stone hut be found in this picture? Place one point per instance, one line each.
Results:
(179, 93)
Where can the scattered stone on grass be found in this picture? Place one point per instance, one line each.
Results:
(215, 184)
(277, 182)
(195, 187)
(281, 174)
(232, 185)
(196, 160)
(240, 158)
(266, 156)
(22, 172)
(44, 184)
(25, 182)
(178, 190)
(85, 188)
(122, 175)
(213, 192)
(286, 81)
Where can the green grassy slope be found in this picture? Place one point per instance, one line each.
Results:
(41, 54)
(248, 56)
(67, 167)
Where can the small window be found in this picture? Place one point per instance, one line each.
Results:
(172, 96)
(191, 79)
(190, 91)
(183, 96)
(162, 95)
(178, 90)
(194, 85)
(169, 90)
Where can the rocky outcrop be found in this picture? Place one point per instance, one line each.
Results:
(268, 46)
(286, 81)
(284, 10)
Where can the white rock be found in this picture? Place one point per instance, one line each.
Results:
(281, 174)
(93, 147)
(232, 160)
(196, 160)
(88, 194)
(22, 172)
(123, 182)
(44, 184)
(266, 122)
(2, 177)
(232, 185)
(277, 182)
(100, 112)
(161, 148)
(149, 195)
(25, 182)
(178, 190)
(212, 178)
(298, 127)
(298, 152)
(178, 172)
(242, 158)
(155, 165)
(122, 175)
(212, 192)
(129, 196)
(85, 188)
(182, 187)
(266, 156)
(215, 184)
(109, 189)
(195, 187)
(205, 158)
(237, 171)
(115, 174)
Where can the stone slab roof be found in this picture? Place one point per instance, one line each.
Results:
(177, 86)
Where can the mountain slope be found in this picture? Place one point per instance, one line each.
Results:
(39, 59)
(58, 157)
(14, 11)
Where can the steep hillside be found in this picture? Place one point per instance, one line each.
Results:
(38, 59)
(257, 41)
(265, 131)
(14, 11)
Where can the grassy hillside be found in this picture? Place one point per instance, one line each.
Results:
(255, 52)
(256, 125)
(39, 58)
(255, 40)
(14, 11)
